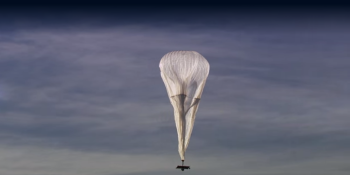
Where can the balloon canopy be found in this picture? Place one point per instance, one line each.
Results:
(184, 74)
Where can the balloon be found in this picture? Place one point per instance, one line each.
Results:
(184, 74)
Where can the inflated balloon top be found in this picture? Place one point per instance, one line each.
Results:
(184, 74)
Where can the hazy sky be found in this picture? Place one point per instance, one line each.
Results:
(81, 92)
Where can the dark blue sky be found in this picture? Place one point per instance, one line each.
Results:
(81, 92)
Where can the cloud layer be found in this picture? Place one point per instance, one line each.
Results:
(87, 99)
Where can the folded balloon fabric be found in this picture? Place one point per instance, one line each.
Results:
(184, 74)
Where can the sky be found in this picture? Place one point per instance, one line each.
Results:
(81, 92)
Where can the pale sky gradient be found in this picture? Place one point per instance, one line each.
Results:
(81, 93)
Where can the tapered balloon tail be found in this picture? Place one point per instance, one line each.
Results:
(183, 167)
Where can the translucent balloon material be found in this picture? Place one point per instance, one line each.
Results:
(184, 74)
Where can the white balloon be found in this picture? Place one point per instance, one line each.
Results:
(184, 74)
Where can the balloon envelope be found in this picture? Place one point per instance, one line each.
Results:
(184, 74)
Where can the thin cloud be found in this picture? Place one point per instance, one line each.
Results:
(92, 99)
